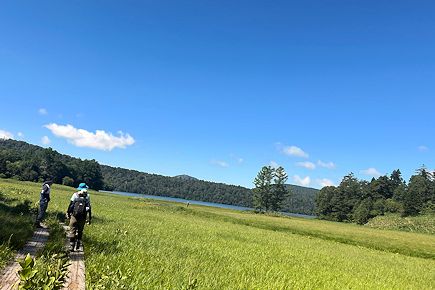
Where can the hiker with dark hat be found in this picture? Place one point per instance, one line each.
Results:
(43, 202)
(79, 207)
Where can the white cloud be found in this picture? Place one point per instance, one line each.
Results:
(237, 159)
(306, 181)
(329, 165)
(371, 172)
(422, 148)
(325, 182)
(45, 140)
(42, 111)
(100, 140)
(294, 151)
(273, 164)
(220, 163)
(307, 165)
(6, 135)
(20, 134)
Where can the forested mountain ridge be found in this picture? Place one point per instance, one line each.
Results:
(121, 179)
(27, 162)
(24, 161)
(302, 199)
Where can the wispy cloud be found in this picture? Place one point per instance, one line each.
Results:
(237, 159)
(371, 172)
(292, 151)
(329, 165)
(45, 140)
(422, 148)
(20, 134)
(42, 111)
(100, 140)
(306, 181)
(325, 182)
(219, 163)
(307, 165)
(6, 135)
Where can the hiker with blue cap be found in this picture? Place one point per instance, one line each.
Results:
(79, 207)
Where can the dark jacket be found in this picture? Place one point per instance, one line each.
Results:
(45, 192)
(74, 198)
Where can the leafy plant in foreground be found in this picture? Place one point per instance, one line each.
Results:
(43, 273)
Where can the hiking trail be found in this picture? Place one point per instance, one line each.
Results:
(9, 275)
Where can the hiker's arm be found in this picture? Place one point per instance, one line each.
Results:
(90, 216)
(88, 205)
(70, 208)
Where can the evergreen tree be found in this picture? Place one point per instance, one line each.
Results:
(381, 187)
(350, 192)
(263, 189)
(279, 190)
(419, 192)
(324, 202)
(396, 179)
(363, 211)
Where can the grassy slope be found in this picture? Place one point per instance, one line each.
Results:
(418, 224)
(163, 245)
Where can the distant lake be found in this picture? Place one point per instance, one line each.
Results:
(212, 204)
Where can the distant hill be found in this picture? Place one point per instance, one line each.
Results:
(27, 162)
(185, 177)
(301, 201)
(24, 161)
(121, 179)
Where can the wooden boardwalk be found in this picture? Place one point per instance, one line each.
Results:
(9, 275)
(76, 278)
(76, 269)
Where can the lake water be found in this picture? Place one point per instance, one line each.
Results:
(185, 201)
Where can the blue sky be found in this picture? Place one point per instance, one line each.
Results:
(217, 89)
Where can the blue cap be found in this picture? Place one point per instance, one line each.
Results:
(82, 186)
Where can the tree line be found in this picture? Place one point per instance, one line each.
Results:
(23, 161)
(359, 200)
(27, 162)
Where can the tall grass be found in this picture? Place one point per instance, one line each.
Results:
(418, 224)
(142, 244)
(18, 208)
(16, 214)
(159, 245)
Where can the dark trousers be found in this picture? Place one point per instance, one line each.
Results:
(43, 204)
(76, 227)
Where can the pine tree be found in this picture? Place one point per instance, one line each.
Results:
(263, 189)
(279, 191)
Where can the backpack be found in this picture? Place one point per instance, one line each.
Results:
(79, 207)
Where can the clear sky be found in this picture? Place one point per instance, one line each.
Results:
(217, 89)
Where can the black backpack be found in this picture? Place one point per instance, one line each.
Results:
(79, 207)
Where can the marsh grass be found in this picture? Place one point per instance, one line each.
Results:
(18, 208)
(165, 245)
(418, 224)
(143, 244)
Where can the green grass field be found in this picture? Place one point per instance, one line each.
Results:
(144, 244)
